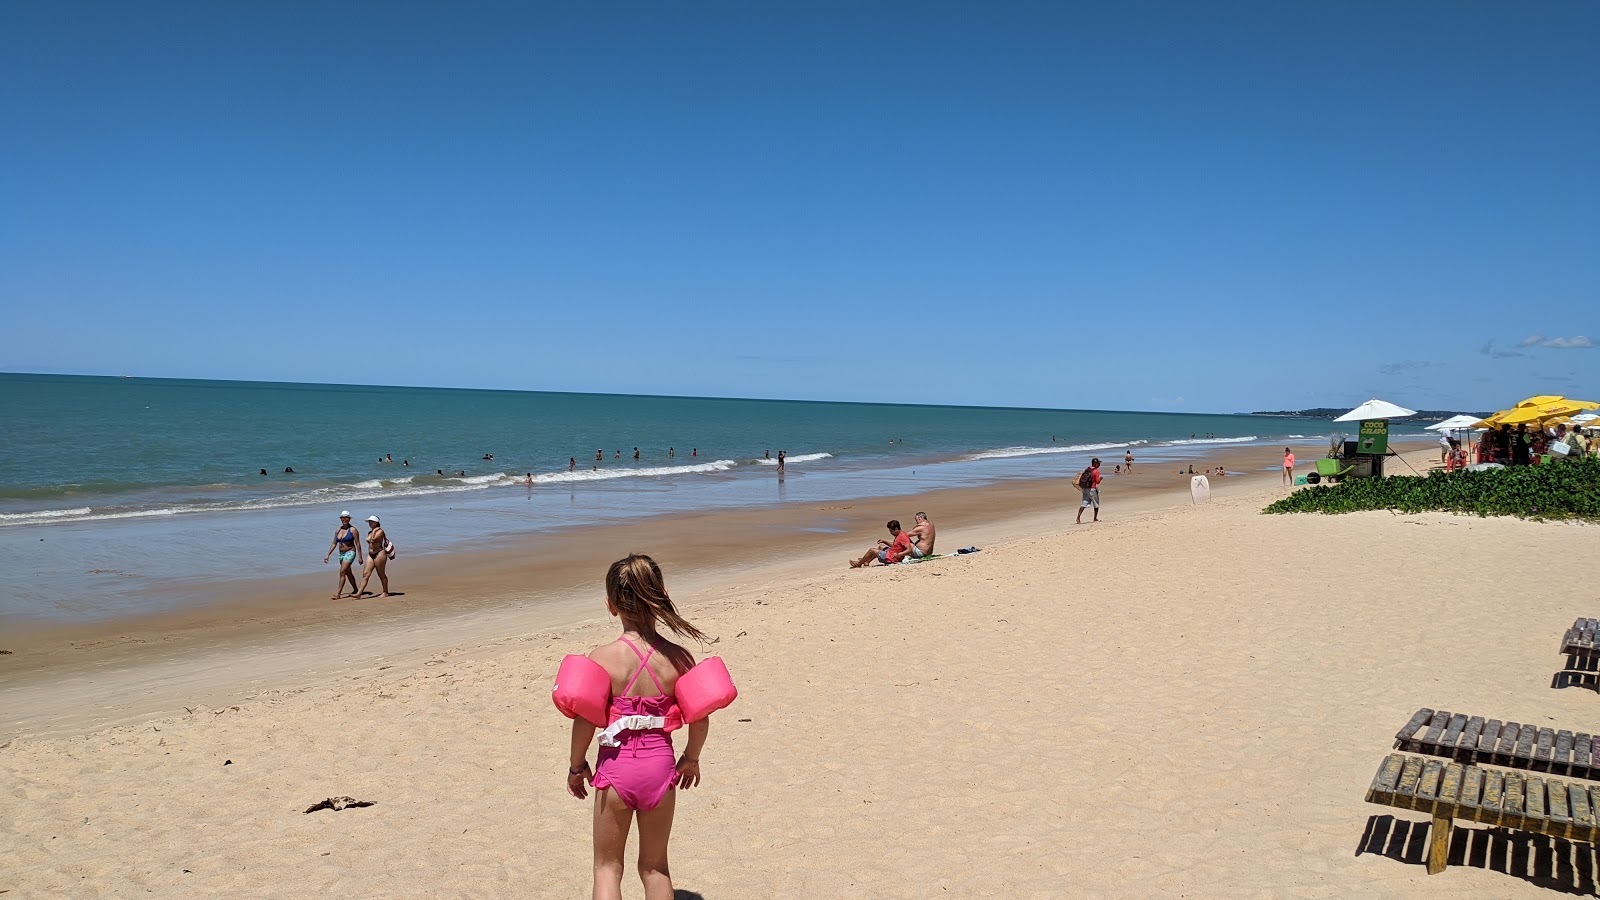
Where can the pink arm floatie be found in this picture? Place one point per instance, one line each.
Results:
(583, 688)
(704, 689)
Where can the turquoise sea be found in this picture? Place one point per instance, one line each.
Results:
(145, 479)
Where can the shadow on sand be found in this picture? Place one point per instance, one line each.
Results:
(1554, 863)
(1581, 671)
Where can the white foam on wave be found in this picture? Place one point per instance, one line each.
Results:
(368, 490)
(1233, 440)
(85, 514)
(405, 480)
(804, 457)
(1013, 452)
(43, 515)
(720, 465)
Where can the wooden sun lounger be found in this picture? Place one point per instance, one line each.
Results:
(1580, 638)
(1452, 791)
(1471, 739)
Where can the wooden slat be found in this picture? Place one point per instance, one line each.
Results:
(1383, 783)
(1428, 784)
(1508, 742)
(1594, 803)
(1543, 745)
(1471, 788)
(1557, 808)
(1452, 732)
(1403, 737)
(1494, 795)
(1486, 741)
(1535, 798)
(1469, 738)
(1525, 741)
(1563, 758)
(1436, 728)
(1407, 785)
(1449, 787)
(1582, 809)
(1511, 805)
(1580, 750)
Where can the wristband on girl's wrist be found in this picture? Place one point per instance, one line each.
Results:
(579, 770)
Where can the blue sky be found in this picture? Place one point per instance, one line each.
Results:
(1186, 206)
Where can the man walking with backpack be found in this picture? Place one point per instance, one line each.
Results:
(1089, 483)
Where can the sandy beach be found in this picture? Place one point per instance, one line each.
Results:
(1180, 700)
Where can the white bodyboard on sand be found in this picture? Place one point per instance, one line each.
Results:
(1199, 490)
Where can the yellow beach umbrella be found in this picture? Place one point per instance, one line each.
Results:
(1530, 414)
(1555, 400)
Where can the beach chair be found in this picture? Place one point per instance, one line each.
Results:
(1472, 739)
(1450, 791)
(1330, 470)
(1580, 638)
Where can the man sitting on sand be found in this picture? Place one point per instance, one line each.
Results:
(887, 552)
(922, 535)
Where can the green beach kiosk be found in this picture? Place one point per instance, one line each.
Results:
(1364, 456)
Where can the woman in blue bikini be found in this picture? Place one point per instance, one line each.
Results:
(349, 549)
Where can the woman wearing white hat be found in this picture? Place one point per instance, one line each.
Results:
(349, 550)
(377, 556)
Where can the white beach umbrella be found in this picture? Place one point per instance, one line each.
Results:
(1456, 423)
(1377, 409)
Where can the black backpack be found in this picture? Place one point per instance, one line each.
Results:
(1086, 480)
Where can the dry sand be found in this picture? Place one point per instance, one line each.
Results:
(1190, 701)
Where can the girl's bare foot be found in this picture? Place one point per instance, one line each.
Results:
(384, 594)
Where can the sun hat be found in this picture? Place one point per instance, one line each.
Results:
(345, 514)
(373, 519)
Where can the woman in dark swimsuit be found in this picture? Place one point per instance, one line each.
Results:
(377, 557)
(349, 550)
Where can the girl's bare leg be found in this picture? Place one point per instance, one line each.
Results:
(611, 821)
(655, 829)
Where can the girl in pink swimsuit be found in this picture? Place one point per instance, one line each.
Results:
(636, 774)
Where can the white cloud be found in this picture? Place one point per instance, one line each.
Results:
(1576, 342)
(1531, 340)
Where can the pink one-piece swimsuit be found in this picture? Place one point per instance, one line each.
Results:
(643, 768)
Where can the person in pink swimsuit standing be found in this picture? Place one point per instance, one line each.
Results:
(636, 772)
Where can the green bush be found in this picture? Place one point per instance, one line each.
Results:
(1565, 489)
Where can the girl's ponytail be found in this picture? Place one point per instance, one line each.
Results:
(635, 586)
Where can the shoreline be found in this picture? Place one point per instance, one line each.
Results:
(68, 679)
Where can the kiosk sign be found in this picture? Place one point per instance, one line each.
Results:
(1374, 436)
